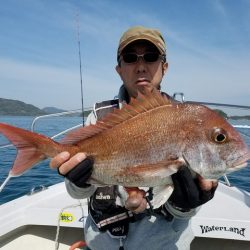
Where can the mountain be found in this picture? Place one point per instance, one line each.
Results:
(52, 110)
(19, 108)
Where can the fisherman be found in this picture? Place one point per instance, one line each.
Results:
(141, 64)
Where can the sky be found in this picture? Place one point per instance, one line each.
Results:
(208, 48)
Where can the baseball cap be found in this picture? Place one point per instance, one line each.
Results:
(142, 33)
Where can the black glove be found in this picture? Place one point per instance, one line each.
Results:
(187, 193)
(81, 173)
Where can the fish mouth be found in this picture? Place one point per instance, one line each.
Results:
(243, 160)
(242, 163)
(238, 166)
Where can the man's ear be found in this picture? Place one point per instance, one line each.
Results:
(118, 69)
(164, 68)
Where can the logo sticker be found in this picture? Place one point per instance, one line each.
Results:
(67, 217)
(236, 230)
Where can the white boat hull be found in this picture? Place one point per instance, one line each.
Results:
(32, 221)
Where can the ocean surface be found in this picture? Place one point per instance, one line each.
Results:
(41, 174)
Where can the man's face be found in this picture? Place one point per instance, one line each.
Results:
(140, 75)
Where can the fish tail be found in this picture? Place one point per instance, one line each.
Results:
(31, 147)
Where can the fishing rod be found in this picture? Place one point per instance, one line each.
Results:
(80, 64)
(81, 82)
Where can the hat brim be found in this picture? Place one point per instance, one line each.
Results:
(155, 42)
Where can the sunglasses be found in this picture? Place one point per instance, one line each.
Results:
(149, 57)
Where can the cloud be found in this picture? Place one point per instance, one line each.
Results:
(42, 85)
(205, 80)
(207, 56)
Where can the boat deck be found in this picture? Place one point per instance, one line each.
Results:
(33, 238)
(30, 222)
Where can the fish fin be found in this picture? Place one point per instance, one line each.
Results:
(143, 103)
(83, 133)
(153, 99)
(161, 194)
(25, 159)
(148, 173)
(26, 143)
(162, 169)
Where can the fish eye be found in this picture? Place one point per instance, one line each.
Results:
(219, 135)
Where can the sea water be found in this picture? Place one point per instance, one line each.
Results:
(42, 175)
(39, 175)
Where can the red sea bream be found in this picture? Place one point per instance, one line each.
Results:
(143, 144)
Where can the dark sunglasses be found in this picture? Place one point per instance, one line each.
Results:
(149, 57)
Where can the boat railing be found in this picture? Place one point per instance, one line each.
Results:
(70, 112)
(182, 99)
(64, 113)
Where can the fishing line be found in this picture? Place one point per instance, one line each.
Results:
(80, 63)
(5, 182)
(59, 220)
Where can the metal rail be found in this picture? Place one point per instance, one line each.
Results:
(36, 119)
(220, 104)
(55, 115)
(182, 99)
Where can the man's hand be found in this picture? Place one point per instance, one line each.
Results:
(77, 169)
(189, 192)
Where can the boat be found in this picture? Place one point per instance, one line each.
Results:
(48, 218)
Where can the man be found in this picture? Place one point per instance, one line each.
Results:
(141, 65)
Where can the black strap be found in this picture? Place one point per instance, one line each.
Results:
(105, 107)
(164, 212)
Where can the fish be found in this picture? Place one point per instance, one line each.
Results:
(143, 144)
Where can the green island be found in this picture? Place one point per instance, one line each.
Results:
(233, 117)
(9, 107)
(18, 108)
